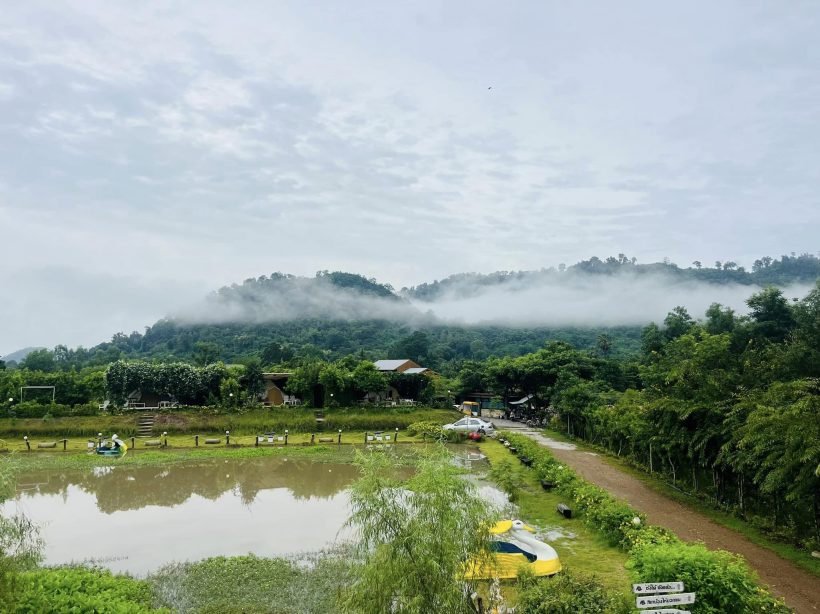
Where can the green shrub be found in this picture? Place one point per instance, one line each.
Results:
(456, 436)
(569, 593)
(504, 475)
(33, 409)
(611, 518)
(722, 580)
(75, 589)
(428, 430)
(646, 534)
(587, 497)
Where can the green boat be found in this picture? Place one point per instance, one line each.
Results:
(109, 451)
(116, 447)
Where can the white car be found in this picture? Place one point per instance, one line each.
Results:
(471, 425)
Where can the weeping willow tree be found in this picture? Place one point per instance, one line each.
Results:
(414, 537)
(19, 545)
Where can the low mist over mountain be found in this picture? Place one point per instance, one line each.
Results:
(612, 292)
(460, 317)
(282, 297)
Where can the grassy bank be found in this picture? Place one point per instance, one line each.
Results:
(168, 456)
(789, 552)
(182, 448)
(206, 420)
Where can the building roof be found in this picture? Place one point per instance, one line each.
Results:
(390, 365)
(415, 370)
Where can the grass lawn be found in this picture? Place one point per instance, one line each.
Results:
(587, 551)
(755, 535)
(208, 422)
(167, 456)
(184, 446)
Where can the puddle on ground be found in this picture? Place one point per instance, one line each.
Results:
(554, 534)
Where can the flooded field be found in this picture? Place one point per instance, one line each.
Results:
(137, 518)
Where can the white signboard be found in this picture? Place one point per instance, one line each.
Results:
(666, 611)
(655, 601)
(658, 587)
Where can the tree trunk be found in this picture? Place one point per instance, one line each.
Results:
(671, 464)
(740, 496)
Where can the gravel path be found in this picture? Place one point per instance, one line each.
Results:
(799, 588)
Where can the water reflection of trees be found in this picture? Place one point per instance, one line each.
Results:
(134, 487)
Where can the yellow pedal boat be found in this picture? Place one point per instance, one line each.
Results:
(514, 548)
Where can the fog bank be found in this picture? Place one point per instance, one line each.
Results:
(569, 299)
(294, 298)
(592, 300)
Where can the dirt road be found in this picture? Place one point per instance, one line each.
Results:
(800, 589)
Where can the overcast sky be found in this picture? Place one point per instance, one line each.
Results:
(152, 151)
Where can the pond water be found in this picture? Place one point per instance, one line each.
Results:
(137, 518)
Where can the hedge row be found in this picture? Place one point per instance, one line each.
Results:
(31, 409)
(722, 580)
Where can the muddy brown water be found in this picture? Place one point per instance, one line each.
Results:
(137, 518)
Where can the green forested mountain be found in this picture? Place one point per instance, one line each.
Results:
(285, 317)
(433, 345)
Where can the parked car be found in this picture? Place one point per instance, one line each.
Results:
(471, 425)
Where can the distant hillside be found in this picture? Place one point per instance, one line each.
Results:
(804, 268)
(433, 345)
(19, 355)
(328, 295)
(467, 316)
